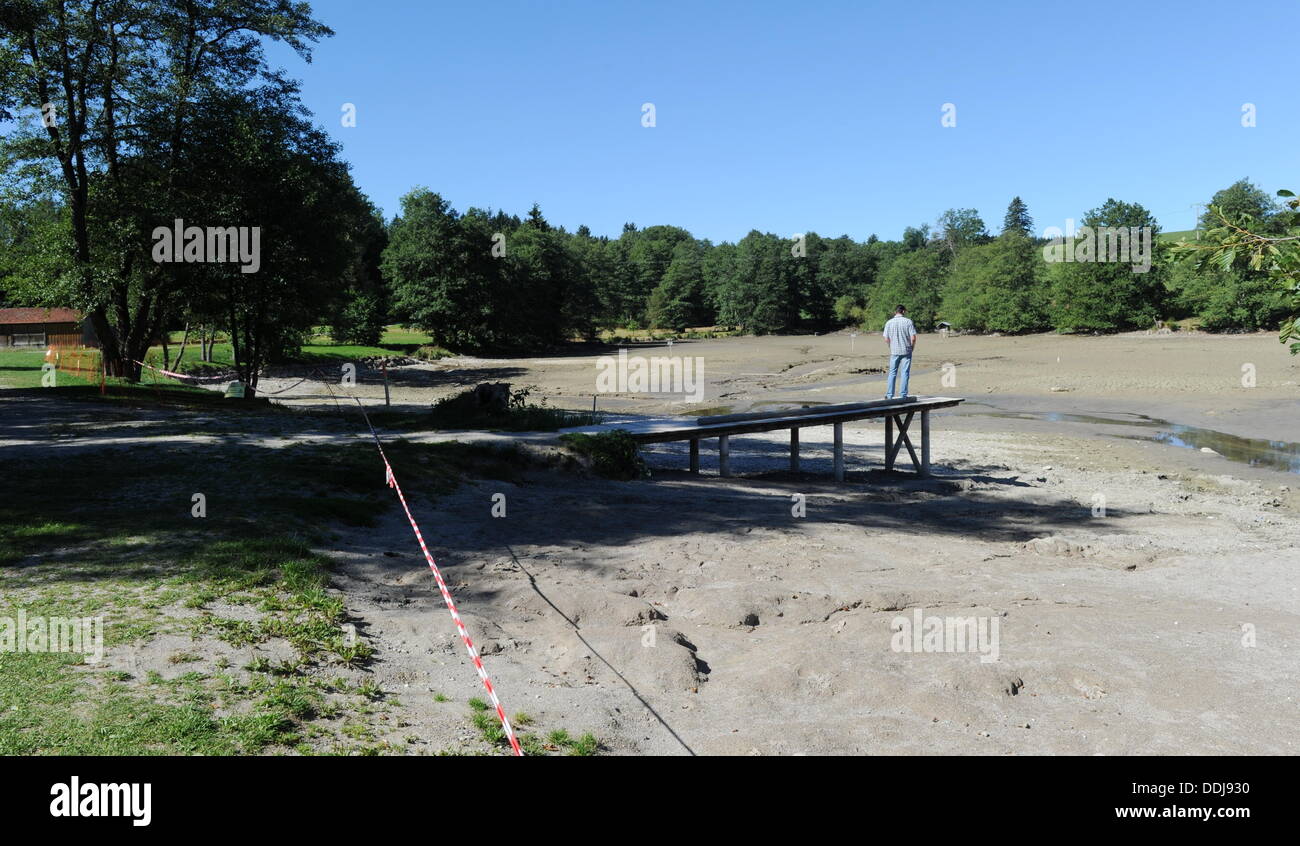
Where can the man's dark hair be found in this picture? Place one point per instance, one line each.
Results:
(901, 310)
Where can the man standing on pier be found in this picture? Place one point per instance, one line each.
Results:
(900, 334)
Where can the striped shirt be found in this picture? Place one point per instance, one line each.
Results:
(899, 330)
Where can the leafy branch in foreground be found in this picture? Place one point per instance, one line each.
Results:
(1234, 244)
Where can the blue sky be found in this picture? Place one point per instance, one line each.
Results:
(797, 117)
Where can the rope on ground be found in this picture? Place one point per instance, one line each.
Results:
(261, 393)
(391, 479)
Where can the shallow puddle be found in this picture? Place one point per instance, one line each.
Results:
(1274, 455)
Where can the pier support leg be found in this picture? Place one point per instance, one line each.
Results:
(889, 443)
(925, 443)
(724, 455)
(894, 444)
(794, 450)
(839, 452)
(695, 456)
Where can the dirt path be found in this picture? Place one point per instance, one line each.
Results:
(772, 633)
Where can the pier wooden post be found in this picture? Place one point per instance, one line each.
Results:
(724, 455)
(794, 450)
(889, 442)
(695, 456)
(925, 443)
(839, 452)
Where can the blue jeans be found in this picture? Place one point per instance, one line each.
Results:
(899, 366)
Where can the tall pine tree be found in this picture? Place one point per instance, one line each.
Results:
(1017, 218)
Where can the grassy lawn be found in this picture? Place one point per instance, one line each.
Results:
(221, 632)
(21, 368)
(77, 374)
(244, 643)
(321, 350)
(402, 336)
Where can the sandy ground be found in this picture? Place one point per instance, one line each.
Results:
(1145, 595)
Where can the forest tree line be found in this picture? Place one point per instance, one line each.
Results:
(487, 281)
(120, 118)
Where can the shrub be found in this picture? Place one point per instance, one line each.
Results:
(613, 455)
(466, 411)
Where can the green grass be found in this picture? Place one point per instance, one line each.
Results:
(614, 454)
(55, 712)
(321, 352)
(114, 538)
(586, 745)
(490, 730)
(398, 335)
(21, 368)
(339, 353)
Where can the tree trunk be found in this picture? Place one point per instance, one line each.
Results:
(184, 340)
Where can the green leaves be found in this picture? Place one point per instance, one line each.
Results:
(1238, 242)
(997, 287)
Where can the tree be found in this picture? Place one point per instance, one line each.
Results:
(916, 237)
(539, 275)
(1241, 199)
(759, 295)
(649, 253)
(443, 274)
(600, 268)
(256, 164)
(114, 79)
(961, 228)
(537, 220)
(1227, 300)
(718, 266)
(846, 272)
(35, 265)
(679, 300)
(1017, 218)
(997, 287)
(1231, 244)
(449, 274)
(581, 309)
(363, 313)
(915, 280)
(1090, 294)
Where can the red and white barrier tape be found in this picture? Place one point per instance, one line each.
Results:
(391, 480)
(451, 606)
(163, 372)
(193, 378)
